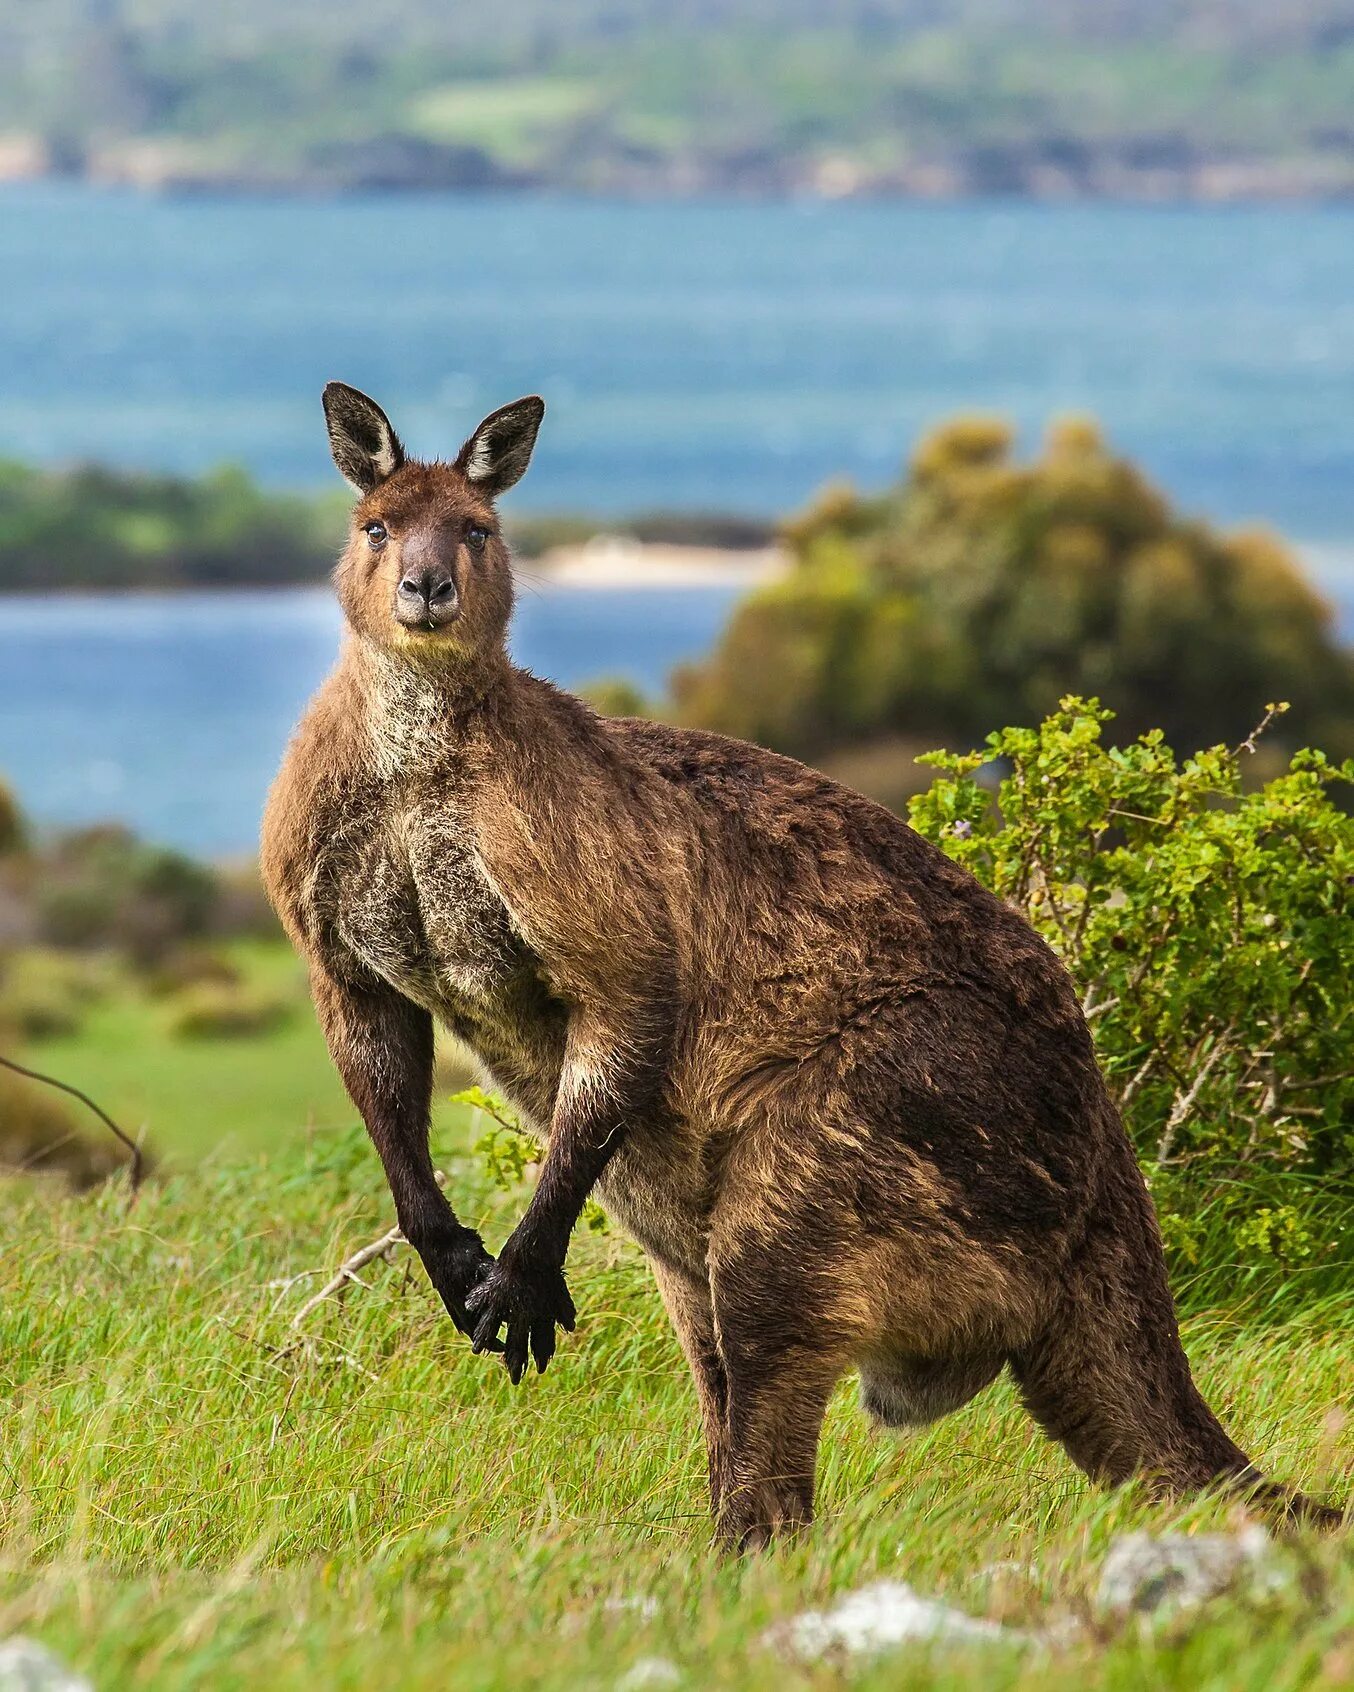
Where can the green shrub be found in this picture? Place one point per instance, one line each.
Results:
(189, 966)
(213, 1010)
(509, 1152)
(44, 993)
(981, 589)
(616, 696)
(12, 832)
(1209, 932)
(102, 887)
(241, 907)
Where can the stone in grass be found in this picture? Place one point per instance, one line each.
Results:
(1146, 1574)
(26, 1666)
(641, 1605)
(648, 1674)
(880, 1617)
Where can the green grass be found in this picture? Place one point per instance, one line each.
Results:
(206, 1097)
(510, 117)
(195, 1495)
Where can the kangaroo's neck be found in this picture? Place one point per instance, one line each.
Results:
(420, 711)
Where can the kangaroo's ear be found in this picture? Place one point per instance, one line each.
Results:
(365, 447)
(497, 454)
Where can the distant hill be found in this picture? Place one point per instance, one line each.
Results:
(1146, 98)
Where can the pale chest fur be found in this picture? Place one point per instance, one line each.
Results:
(410, 898)
(413, 904)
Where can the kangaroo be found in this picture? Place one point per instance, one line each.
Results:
(842, 1096)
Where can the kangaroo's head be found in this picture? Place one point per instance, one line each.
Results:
(425, 571)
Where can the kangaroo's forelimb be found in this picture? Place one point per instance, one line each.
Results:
(601, 1089)
(382, 1046)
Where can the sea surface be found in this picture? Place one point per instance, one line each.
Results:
(729, 355)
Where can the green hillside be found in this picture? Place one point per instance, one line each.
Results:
(1139, 97)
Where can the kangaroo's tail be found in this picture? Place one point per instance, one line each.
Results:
(1109, 1378)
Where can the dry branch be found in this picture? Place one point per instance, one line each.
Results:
(347, 1272)
(137, 1164)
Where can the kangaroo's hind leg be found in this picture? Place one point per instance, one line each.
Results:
(785, 1337)
(688, 1303)
(777, 1399)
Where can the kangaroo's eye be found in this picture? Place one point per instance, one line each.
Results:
(475, 539)
(375, 533)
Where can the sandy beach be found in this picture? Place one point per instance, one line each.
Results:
(617, 561)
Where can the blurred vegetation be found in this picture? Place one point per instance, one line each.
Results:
(42, 1133)
(11, 821)
(45, 992)
(1207, 929)
(617, 696)
(91, 527)
(218, 1010)
(981, 589)
(104, 888)
(976, 96)
(93, 924)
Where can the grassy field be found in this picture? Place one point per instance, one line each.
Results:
(199, 1494)
(207, 1098)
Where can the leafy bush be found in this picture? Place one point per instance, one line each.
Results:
(102, 887)
(1209, 932)
(44, 993)
(981, 590)
(12, 832)
(214, 1010)
(190, 966)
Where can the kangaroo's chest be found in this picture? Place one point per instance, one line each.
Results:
(413, 902)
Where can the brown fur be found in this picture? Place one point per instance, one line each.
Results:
(843, 1097)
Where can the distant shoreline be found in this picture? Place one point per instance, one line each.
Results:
(606, 562)
(618, 561)
(1021, 180)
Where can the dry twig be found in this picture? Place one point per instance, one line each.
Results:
(137, 1165)
(1184, 1101)
(347, 1270)
(346, 1273)
(1271, 712)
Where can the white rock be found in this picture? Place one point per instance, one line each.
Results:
(26, 1666)
(1146, 1573)
(643, 1605)
(1009, 1568)
(649, 1672)
(879, 1617)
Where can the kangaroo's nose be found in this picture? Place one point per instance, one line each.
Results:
(431, 587)
(426, 596)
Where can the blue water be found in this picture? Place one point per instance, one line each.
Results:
(727, 354)
(172, 711)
